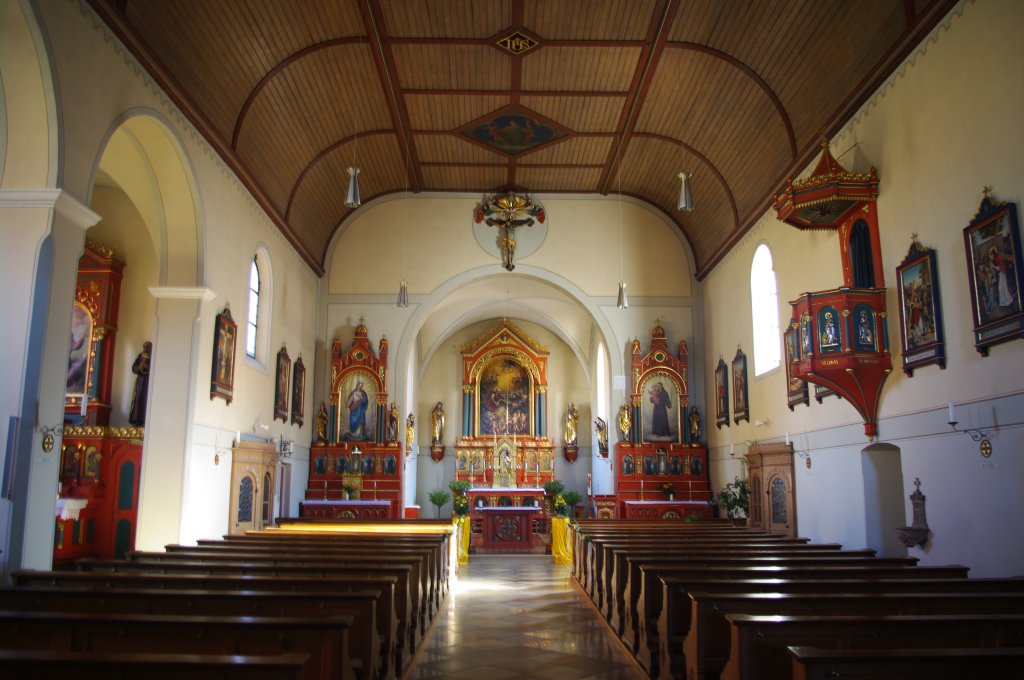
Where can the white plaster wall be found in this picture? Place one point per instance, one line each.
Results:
(937, 132)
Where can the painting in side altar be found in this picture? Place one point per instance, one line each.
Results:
(357, 412)
(660, 408)
(505, 393)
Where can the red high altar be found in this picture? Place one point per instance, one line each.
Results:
(661, 468)
(504, 451)
(98, 498)
(355, 466)
(839, 338)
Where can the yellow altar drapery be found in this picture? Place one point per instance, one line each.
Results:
(561, 545)
(462, 532)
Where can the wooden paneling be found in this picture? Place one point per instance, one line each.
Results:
(591, 19)
(580, 69)
(449, 111)
(452, 67)
(280, 88)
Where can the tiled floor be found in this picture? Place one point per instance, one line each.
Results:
(518, 616)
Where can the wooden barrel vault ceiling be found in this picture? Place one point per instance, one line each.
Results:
(567, 96)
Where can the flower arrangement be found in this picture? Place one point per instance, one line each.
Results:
(667, 488)
(350, 489)
(460, 505)
(561, 507)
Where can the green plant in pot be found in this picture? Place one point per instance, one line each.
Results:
(459, 487)
(553, 487)
(734, 499)
(440, 498)
(571, 499)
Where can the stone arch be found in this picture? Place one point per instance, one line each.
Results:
(31, 157)
(142, 153)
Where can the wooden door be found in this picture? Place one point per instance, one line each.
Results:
(125, 506)
(772, 494)
(779, 503)
(244, 497)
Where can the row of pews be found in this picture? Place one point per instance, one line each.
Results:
(283, 603)
(707, 600)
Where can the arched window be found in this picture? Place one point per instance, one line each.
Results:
(253, 320)
(258, 313)
(764, 311)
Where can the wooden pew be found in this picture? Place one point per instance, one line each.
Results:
(435, 547)
(706, 648)
(323, 639)
(674, 624)
(370, 657)
(434, 577)
(50, 665)
(420, 581)
(758, 647)
(407, 587)
(393, 608)
(814, 663)
(648, 604)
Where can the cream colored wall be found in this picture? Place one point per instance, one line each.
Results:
(122, 229)
(582, 245)
(943, 127)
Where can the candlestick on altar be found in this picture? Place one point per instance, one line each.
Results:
(325, 489)
(375, 489)
(690, 482)
(641, 489)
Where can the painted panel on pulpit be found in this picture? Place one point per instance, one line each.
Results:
(357, 413)
(504, 398)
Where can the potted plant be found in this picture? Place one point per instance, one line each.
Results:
(552, 489)
(667, 488)
(459, 487)
(440, 498)
(571, 499)
(734, 500)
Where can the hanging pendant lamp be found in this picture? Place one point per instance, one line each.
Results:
(352, 199)
(622, 302)
(685, 203)
(403, 295)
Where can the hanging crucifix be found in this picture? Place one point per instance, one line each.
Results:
(507, 212)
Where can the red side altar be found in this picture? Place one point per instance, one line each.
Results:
(355, 466)
(661, 464)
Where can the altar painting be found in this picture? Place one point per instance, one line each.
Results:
(660, 408)
(357, 396)
(504, 396)
(79, 351)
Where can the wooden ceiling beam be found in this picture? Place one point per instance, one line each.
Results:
(638, 88)
(385, 61)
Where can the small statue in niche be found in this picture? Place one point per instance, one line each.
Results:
(602, 435)
(410, 431)
(625, 423)
(437, 425)
(694, 425)
(321, 423)
(572, 419)
(137, 414)
(393, 423)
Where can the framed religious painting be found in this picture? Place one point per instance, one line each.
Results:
(721, 394)
(284, 367)
(81, 358)
(298, 392)
(992, 241)
(225, 333)
(920, 309)
(796, 388)
(660, 408)
(740, 406)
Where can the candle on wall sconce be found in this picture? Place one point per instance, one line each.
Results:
(732, 450)
(787, 438)
(952, 413)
